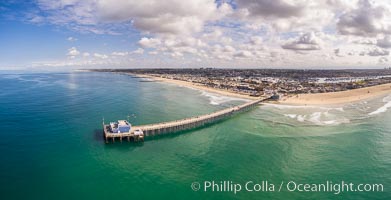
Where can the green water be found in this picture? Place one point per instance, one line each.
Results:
(51, 144)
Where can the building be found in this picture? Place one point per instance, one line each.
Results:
(122, 126)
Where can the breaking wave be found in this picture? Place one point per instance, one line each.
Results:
(283, 107)
(315, 115)
(384, 108)
(319, 118)
(216, 99)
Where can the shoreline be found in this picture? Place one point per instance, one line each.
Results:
(342, 97)
(196, 86)
(331, 98)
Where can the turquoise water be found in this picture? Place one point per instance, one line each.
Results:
(51, 144)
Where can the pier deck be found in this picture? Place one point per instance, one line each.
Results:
(179, 125)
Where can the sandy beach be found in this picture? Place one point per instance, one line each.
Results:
(300, 99)
(197, 86)
(338, 97)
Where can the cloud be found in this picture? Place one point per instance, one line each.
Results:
(169, 24)
(72, 39)
(73, 52)
(232, 33)
(150, 16)
(149, 42)
(256, 40)
(337, 52)
(306, 42)
(228, 48)
(119, 53)
(138, 51)
(365, 20)
(383, 60)
(384, 42)
(76, 15)
(170, 17)
(101, 56)
(125, 53)
(243, 54)
(157, 16)
(287, 15)
(365, 41)
(272, 8)
(174, 47)
(36, 19)
(378, 52)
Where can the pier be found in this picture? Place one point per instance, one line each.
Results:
(178, 125)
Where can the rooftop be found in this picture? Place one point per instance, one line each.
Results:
(123, 123)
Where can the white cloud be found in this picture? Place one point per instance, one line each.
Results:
(126, 53)
(337, 52)
(73, 52)
(365, 20)
(305, 42)
(365, 41)
(150, 16)
(273, 8)
(243, 54)
(72, 39)
(255, 33)
(163, 17)
(287, 15)
(256, 40)
(378, 52)
(149, 42)
(228, 48)
(384, 42)
(36, 19)
(138, 51)
(383, 60)
(101, 56)
(120, 53)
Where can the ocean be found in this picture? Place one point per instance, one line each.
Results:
(52, 147)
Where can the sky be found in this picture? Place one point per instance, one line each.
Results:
(83, 34)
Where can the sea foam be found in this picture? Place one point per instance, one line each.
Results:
(384, 108)
(283, 107)
(319, 118)
(316, 115)
(216, 99)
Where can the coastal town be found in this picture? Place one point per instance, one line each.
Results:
(261, 82)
